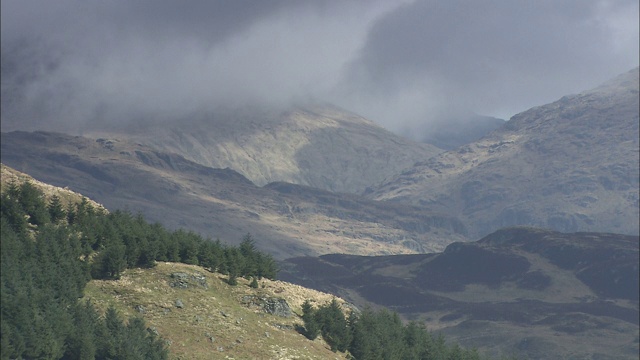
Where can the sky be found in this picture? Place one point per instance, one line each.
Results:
(69, 65)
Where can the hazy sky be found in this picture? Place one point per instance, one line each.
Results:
(403, 64)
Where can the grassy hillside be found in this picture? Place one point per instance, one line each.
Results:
(80, 283)
(216, 321)
(66, 196)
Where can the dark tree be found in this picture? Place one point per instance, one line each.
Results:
(310, 324)
(56, 210)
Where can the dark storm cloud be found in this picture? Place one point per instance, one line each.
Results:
(433, 58)
(69, 63)
(404, 64)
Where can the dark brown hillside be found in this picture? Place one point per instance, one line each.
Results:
(576, 292)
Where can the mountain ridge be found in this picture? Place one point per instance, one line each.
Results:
(569, 165)
(318, 145)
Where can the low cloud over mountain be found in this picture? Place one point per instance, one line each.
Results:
(69, 65)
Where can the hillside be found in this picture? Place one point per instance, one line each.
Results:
(319, 146)
(570, 166)
(536, 293)
(292, 220)
(9, 176)
(194, 312)
(214, 320)
(79, 282)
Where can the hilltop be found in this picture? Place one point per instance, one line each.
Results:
(213, 320)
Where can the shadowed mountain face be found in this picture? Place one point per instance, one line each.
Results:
(571, 166)
(319, 146)
(537, 293)
(286, 219)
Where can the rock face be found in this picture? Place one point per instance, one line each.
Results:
(570, 166)
(319, 146)
(535, 293)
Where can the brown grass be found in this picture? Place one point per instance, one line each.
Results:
(238, 331)
(67, 197)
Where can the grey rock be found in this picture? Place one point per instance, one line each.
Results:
(140, 309)
(182, 280)
(277, 307)
(210, 337)
(179, 304)
(271, 305)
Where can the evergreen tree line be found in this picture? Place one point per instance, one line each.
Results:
(380, 335)
(49, 253)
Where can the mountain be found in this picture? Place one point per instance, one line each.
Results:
(288, 220)
(536, 293)
(571, 165)
(319, 146)
(449, 134)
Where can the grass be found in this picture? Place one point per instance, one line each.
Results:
(67, 197)
(214, 323)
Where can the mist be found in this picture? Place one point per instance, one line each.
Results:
(77, 65)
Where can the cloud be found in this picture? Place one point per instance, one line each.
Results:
(432, 58)
(69, 65)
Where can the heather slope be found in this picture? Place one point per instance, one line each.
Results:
(536, 293)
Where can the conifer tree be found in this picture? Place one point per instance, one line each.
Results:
(309, 318)
(56, 210)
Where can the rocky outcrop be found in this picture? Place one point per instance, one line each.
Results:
(270, 305)
(183, 280)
